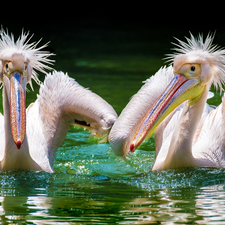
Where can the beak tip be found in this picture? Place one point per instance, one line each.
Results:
(132, 147)
(18, 144)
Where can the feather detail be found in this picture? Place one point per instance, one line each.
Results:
(38, 59)
(204, 52)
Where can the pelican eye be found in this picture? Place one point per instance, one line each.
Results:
(7, 68)
(193, 68)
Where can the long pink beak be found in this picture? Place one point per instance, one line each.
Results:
(17, 108)
(179, 90)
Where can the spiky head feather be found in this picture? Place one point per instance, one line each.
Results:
(196, 50)
(37, 59)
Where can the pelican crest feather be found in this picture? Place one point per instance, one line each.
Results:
(38, 60)
(203, 52)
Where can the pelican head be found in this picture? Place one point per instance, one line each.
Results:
(17, 61)
(196, 64)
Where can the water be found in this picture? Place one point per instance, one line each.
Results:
(90, 184)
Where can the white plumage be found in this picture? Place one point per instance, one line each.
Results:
(61, 102)
(194, 133)
(38, 60)
(196, 50)
(127, 123)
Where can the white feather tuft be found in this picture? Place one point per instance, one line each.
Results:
(200, 51)
(38, 59)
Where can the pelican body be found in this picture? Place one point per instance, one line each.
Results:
(30, 137)
(188, 132)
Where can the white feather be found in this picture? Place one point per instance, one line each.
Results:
(61, 102)
(130, 118)
(38, 59)
(203, 52)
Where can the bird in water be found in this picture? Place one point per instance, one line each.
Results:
(172, 103)
(30, 137)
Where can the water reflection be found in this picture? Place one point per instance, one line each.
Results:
(100, 199)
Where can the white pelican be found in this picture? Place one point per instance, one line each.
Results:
(29, 138)
(191, 135)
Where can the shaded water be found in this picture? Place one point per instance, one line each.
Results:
(90, 184)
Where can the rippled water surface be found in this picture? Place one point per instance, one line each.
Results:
(90, 184)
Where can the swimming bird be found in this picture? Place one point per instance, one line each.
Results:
(30, 137)
(187, 135)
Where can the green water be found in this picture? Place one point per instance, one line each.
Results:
(90, 184)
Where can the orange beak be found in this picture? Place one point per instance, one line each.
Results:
(179, 90)
(17, 108)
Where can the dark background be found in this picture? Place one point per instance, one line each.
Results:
(136, 44)
(113, 35)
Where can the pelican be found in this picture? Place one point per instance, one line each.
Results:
(188, 132)
(30, 137)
